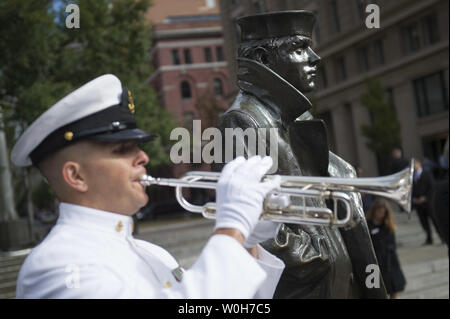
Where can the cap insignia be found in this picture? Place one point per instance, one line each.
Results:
(68, 136)
(130, 102)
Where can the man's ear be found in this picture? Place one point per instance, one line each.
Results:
(71, 173)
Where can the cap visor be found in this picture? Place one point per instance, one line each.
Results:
(135, 134)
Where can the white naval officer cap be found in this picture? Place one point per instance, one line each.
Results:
(102, 110)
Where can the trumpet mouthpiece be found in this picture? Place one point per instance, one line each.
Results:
(147, 180)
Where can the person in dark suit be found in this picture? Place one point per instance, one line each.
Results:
(398, 161)
(423, 187)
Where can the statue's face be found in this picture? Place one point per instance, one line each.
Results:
(296, 62)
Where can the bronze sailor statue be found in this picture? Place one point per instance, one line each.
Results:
(276, 66)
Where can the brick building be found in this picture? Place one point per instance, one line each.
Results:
(189, 62)
(190, 70)
(408, 54)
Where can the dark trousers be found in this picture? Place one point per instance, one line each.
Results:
(424, 217)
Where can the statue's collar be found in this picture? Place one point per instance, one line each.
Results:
(271, 89)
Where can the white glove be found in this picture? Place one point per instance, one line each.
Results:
(266, 229)
(240, 193)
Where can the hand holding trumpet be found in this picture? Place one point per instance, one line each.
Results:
(241, 193)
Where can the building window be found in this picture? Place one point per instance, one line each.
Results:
(379, 52)
(316, 30)
(360, 7)
(218, 87)
(335, 16)
(430, 29)
(219, 53)
(411, 38)
(187, 56)
(390, 96)
(430, 94)
(210, 4)
(175, 57)
(323, 77)
(185, 90)
(208, 54)
(340, 69)
(363, 59)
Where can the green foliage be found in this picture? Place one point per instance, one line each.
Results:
(43, 196)
(29, 42)
(383, 133)
(42, 60)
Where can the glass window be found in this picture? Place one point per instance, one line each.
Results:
(340, 69)
(363, 58)
(323, 77)
(430, 94)
(335, 16)
(219, 53)
(210, 4)
(185, 90)
(218, 87)
(316, 30)
(208, 54)
(379, 52)
(430, 29)
(411, 38)
(390, 96)
(187, 56)
(360, 7)
(175, 57)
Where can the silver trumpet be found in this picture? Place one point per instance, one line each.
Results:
(396, 187)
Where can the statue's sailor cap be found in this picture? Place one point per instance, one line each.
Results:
(276, 25)
(102, 110)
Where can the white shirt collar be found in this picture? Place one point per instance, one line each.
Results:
(419, 172)
(97, 220)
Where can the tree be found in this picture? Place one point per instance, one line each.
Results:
(115, 37)
(28, 42)
(42, 61)
(383, 133)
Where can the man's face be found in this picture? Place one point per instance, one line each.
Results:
(297, 63)
(112, 171)
(417, 165)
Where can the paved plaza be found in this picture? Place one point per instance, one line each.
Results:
(425, 267)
